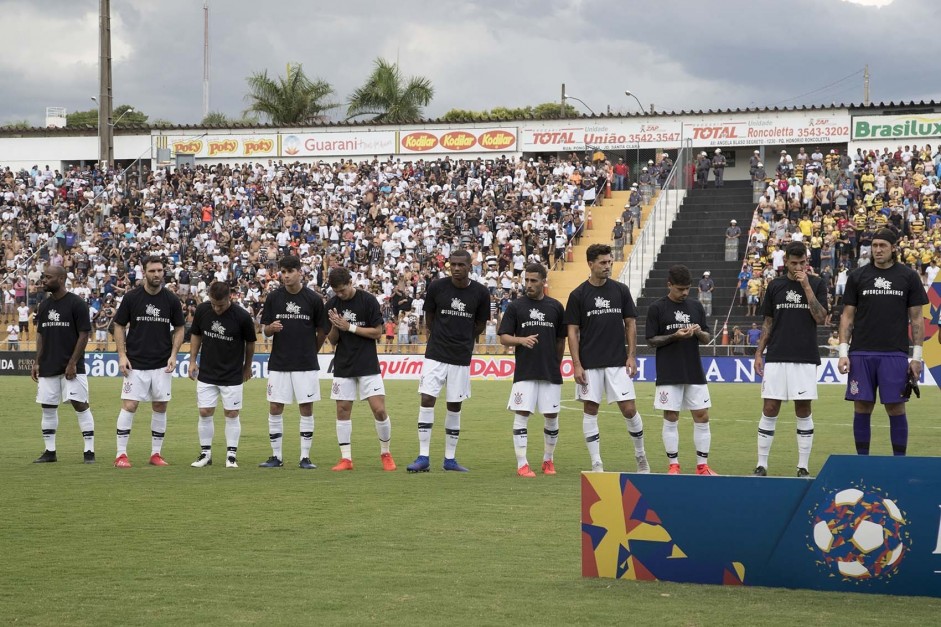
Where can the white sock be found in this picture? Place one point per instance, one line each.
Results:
(50, 423)
(86, 422)
(125, 422)
(344, 433)
(635, 428)
(276, 434)
(426, 421)
(233, 431)
(307, 435)
(592, 437)
(702, 438)
(206, 428)
(805, 440)
(551, 437)
(452, 431)
(671, 441)
(519, 438)
(384, 432)
(765, 438)
(158, 430)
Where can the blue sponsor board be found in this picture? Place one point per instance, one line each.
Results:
(865, 524)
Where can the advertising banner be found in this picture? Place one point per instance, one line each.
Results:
(482, 367)
(924, 127)
(351, 144)
(864, 524)
(16, 363)
(438, 141)
(666, 133)
(224, 146)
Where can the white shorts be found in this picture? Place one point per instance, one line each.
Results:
(57, 390)
(541, 396)
(789, 382)
(207, 395)
(436, 374)
(612, 382)
(285, 387)
(680, 397)
(101, 335)
(147, 385)
(357, 388)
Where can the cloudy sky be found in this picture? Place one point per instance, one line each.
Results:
(677, 55)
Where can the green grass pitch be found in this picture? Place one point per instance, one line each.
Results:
(92, 545)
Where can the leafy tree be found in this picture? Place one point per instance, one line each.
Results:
(543, 111)
(17, 125)
(215, 118)
(389, 97)
(120, 114)
(289, 100)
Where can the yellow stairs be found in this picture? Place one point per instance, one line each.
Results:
(563, 281)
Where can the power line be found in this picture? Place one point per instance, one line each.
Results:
(819, 89)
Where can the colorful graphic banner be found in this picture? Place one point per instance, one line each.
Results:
(438, 141)
(922, 128)
(223, 146)
(863, 525)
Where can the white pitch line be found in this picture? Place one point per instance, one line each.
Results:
(784, 419)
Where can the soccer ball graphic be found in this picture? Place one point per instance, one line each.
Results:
(860, 535)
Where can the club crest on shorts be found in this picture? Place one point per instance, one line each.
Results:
(270, 389)
(664, 396)
(854, 387)
(585, 389)
(127, 387)
(518, 398)
(336, 387)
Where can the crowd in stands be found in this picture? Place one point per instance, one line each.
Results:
(834, 202)
(392, 223)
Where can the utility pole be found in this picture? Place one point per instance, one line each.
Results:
(562, 106)
(205, 58)
(105, 129)
(866, 85)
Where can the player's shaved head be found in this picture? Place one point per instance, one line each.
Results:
(56, 271)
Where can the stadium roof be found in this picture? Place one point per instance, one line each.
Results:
(129, 129)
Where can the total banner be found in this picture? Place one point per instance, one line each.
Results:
(864, 524)
(485, 367)
(458, 140)
(222, 146)
(705, 132)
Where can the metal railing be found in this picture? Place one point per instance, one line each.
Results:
(654, 232)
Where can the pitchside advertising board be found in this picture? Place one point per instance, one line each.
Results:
(482, 367)
(864, 524)
(346, 144)
(631, 133)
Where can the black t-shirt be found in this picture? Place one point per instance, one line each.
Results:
(294, 348)
(793, 328)
(223, 338)
(599, 313)
(882, 299)
(524, 317)
(456, 312)
(678, 363)
(355, 355)
(149, 321)
(60, 322)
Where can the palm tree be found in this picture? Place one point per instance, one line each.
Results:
(389, 98)
(290, 100)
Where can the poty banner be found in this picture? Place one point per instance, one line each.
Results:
(223, 146)
(864, 524)
(482, 367)
(437, 141)
(918, 127)
(358, 143)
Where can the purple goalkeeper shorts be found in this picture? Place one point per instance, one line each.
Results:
(887, 372)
